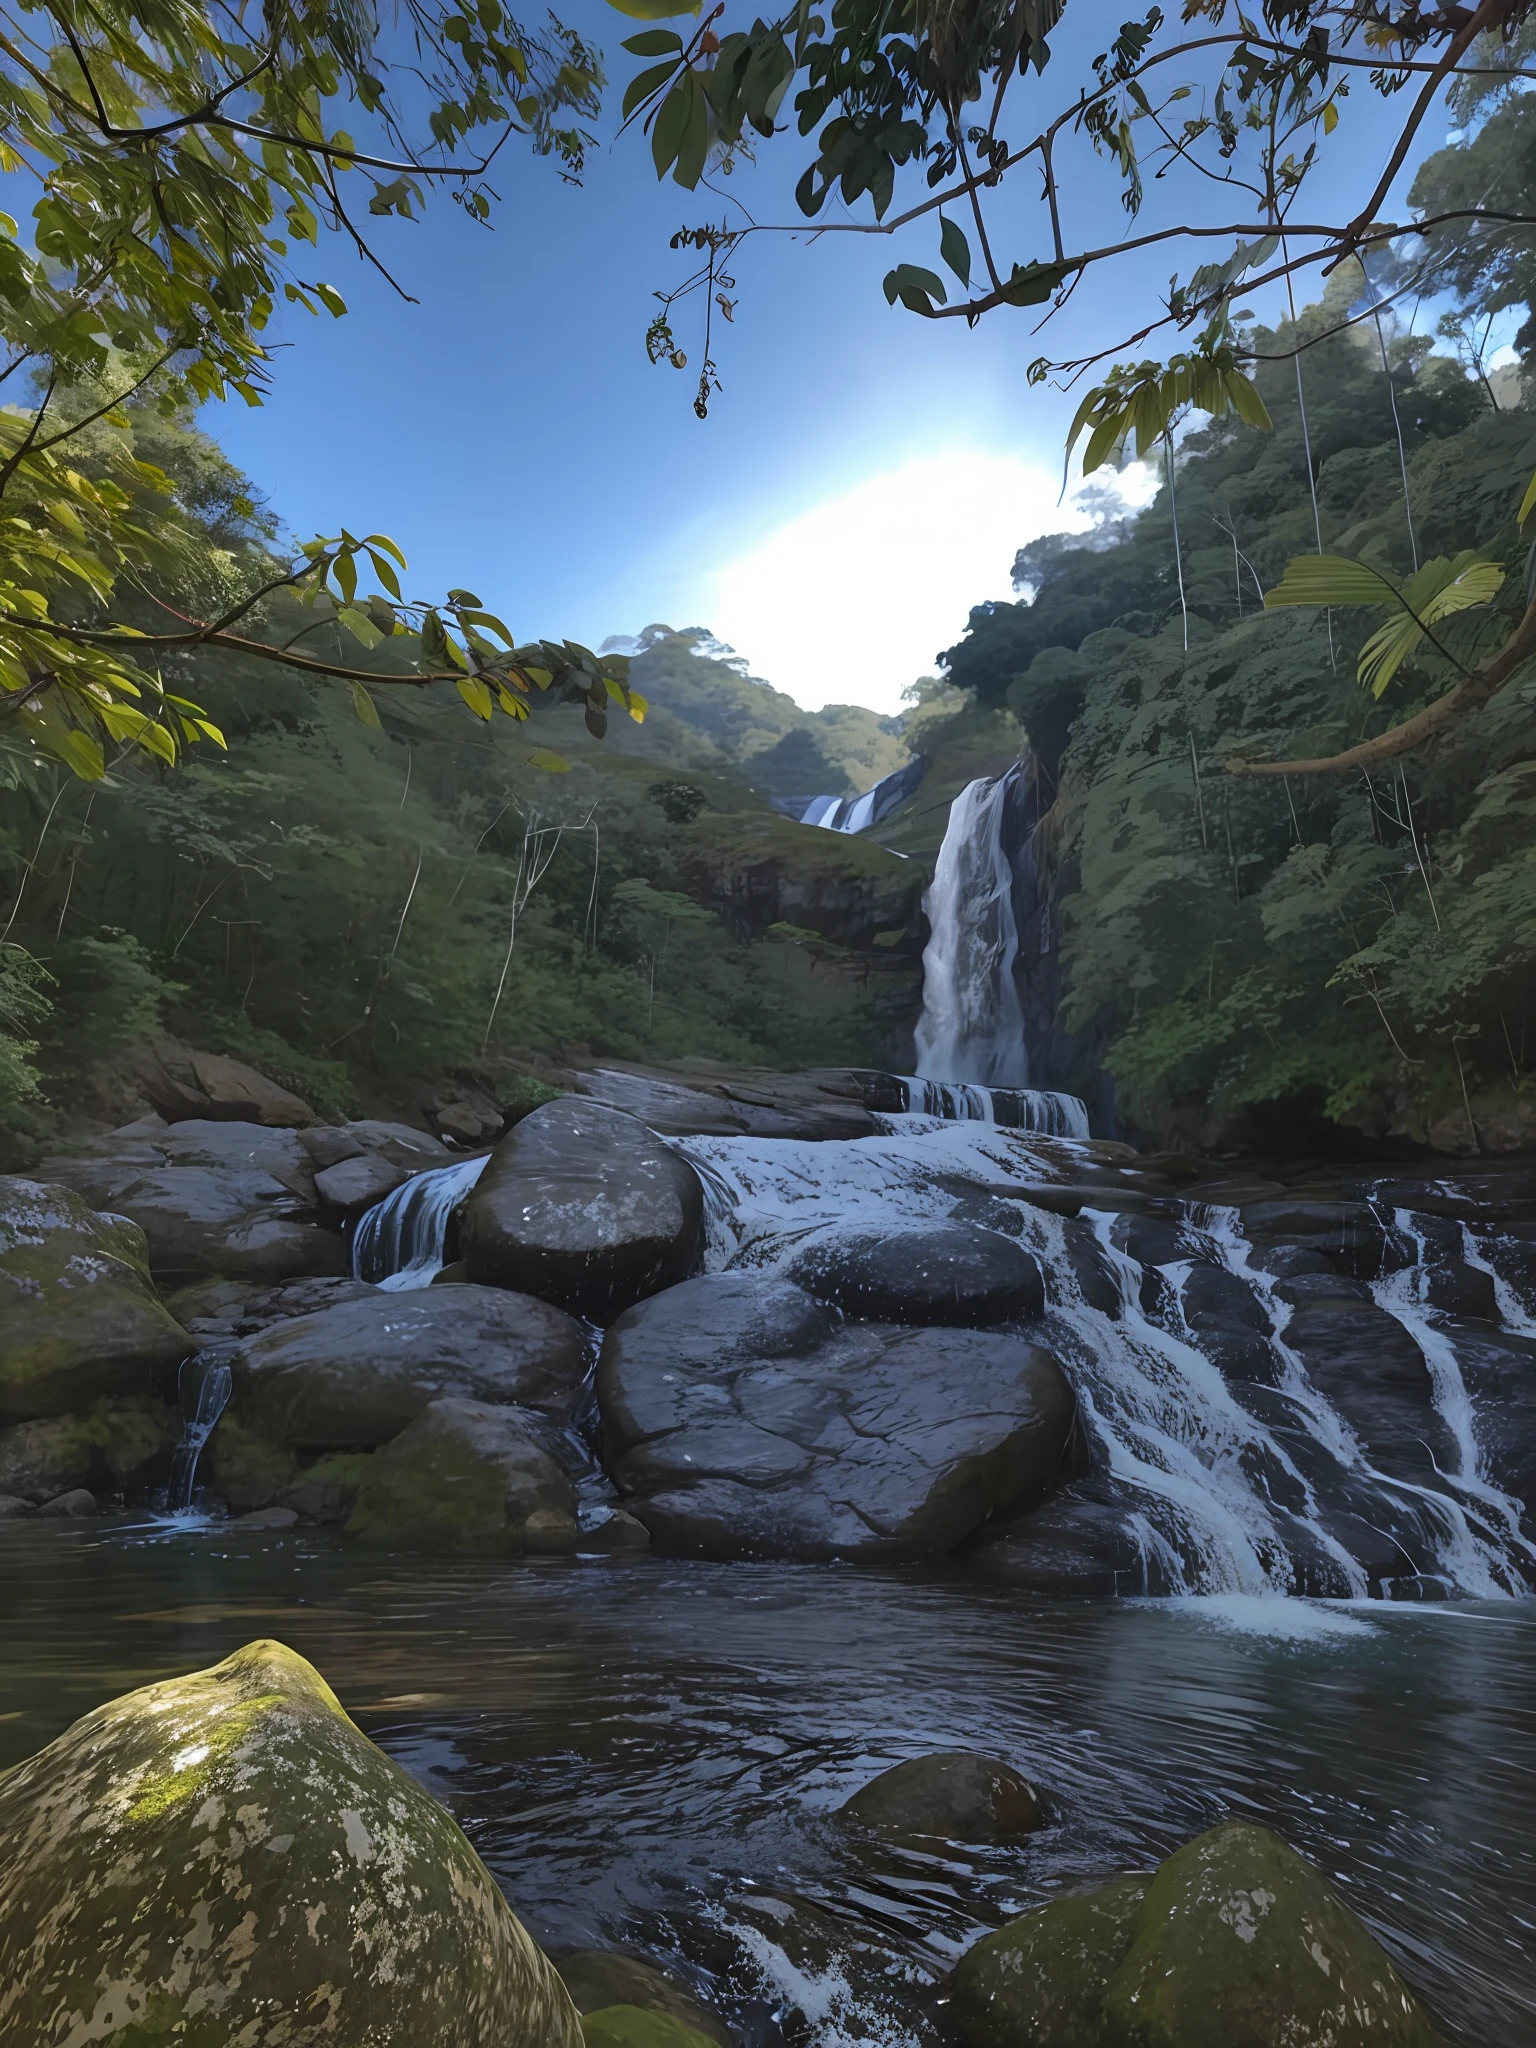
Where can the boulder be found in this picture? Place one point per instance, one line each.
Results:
(1349, 1235)
(957, 1795)
(353, 1185)
(598, 1978)
(39, 1460)
(79, 1316)
(945, 1273)
(227, 1199)
(353, 1376)
(1039, 1982)
(179, 1082)
(1234, 1942)
(637, 2026)
(225, 1858)
(78, 1502)
(583, 1206)
(742, 1418)
(399, 1145)
(1365, 1362)
(1081, 1544)
(608, 1532)
(1241, 1943)
(467, 1475)
(12, 1507)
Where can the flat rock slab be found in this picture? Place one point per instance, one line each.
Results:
(952, 1273)
(79, 1317)
(231, 1199)
(742, 1418)
(583, 1206)
(353, 1376)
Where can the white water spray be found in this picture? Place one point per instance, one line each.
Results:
(972, 1026)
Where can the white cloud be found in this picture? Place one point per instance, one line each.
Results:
(850, 601)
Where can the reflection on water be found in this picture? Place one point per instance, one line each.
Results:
(650, 1753)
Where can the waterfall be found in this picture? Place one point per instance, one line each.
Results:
(972, 1026)
(855, 813)
(1016, 1109)
(399, 1242)
(202, 1388)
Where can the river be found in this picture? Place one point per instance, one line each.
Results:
(649, 1753)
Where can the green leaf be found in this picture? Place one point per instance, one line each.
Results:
(652, 10)
(360, 626)
(475, 695)
(955, 249)
(1330, 580)
(554, 764)
(331, 299)
(653, 42)
(1528, 502)
(364, 706)
(1439, 590)
(915, 287)
(644, 83)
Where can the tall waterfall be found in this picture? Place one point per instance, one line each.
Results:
(972, 1026)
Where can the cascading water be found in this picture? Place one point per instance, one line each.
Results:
(203, 1389)
(1017, 1109)
(399, 1243)
(1229, 1488)
(972, 1026)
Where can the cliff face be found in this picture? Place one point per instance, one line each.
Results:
(849, 908)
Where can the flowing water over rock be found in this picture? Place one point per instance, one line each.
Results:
(399, 1242)
(972, 1026)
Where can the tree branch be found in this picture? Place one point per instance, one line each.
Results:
(1470, 694)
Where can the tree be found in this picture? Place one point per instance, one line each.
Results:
(1234, 116)
(184, 156)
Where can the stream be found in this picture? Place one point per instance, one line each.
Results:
(649, 1753)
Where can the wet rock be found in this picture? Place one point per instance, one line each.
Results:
(962, 1797)
(608, 1532)
(180, 1082)
(79, 1317)
(226, 1199)
(245, 1470)
(1092, 1273)
(1079, 1545)
(1229, 1324)
(450, 1276)
(1307, 1289)
(1457, 1289)
(225, 1856)
(39, 1460)
(600, 1978)
(1499, 1369)
(236, 1308)
(1241, 1943)
(327, 1490)
(12, 1507)
(1040, 1981)
(635, 2026)
(1292, 1261)
(944, 1273)
(1349, 1235)
(584, 1207)
(266, 1518)
(72, 1505)
(467, 1475)
(1365, 1362)
(742, 1418)
(353, 1185)
(354, 1376)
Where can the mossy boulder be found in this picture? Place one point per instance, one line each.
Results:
(224, 1858)
(1234, 1942)
(468, 1475)
(599, 1978)
(79, 1316)
(1040, 1981)
(111, 1445)
(964, 1797)
(638, 2026)
(245, 1469)
(1241, 1943)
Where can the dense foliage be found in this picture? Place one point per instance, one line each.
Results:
(362, 909)
(1362, 947)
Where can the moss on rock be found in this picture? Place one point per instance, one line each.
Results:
(637, 2026)
(246, 1470)
(1241, 1943)
(598, 1978)
(468, 1475)
(1039, 1982)
(225, 1861)
(79, 1316)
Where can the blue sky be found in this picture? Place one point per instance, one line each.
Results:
(864, 477)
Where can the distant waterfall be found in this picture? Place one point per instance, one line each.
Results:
(972, 1026)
